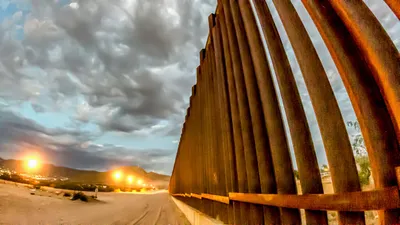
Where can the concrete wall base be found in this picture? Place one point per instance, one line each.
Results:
(194, 216)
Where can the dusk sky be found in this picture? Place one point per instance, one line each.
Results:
(94, 84)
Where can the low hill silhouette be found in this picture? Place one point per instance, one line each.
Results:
(89, 176)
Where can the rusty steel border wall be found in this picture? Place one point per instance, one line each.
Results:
(233, 161)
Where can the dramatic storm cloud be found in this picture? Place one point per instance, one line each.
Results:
(98, 83)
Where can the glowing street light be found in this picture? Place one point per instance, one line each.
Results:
(140, 182)
(130, 179)
(32, 163)
(117, 175)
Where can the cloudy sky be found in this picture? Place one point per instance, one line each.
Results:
(94, 84)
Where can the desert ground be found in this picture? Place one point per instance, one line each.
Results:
(18, 206)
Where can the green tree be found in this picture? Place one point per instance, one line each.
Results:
(361, 155)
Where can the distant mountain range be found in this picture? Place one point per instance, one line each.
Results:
(89, 176)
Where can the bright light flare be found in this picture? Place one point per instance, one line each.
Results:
(118, 175)
(32, 163)
(140, 182)
(130, 179)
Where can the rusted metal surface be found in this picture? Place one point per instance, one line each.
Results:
(285, 183)
(398, 176)
(200, 141)
(217, 198)
(253, 212)
(378, 50)
(221, 150)
(209, 208)
(233, 132)
(204, 63)
(387, 198)
(194, 151)
(218, 185)
(183, 174)
(257, 151)
(364, 93)
(232, 62)
(216, 177)
(334, 135)
(179, 195)
(193, 195)
(310, 178)
(239, 174)
(207, 135)
(219, 140)
(225, 115)
(190, 150)
(199, 166)
(189, 174)
(395, 6)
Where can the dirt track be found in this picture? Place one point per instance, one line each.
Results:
(17, 206)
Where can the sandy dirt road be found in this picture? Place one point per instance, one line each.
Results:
(18, 207)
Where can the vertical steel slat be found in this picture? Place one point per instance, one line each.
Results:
(200, 156)
(219, 161)
(204, 146)
(255, 213)
(208, 134)
(275, 131)
(218, 139)
(178, 174)
(195, 155)
(182, 175)
(189, 172)
(203, 184)
(258, 146)
(193, 149)
(310, 178)
(186, 154)
(369, 105)
(239, 184)
(181, 184)
(211, 132)
(221, 158)
(200, 139)
(336, 142)
(189, 149)
(378, 50)
(183, 159)
(395, 6)
(225, 115)
(206, 139)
